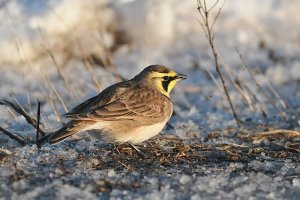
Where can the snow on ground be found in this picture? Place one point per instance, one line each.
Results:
(48, 48)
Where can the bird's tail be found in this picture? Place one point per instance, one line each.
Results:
(66, 131)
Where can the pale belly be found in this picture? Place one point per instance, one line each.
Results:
(141, 134)
(133, 135)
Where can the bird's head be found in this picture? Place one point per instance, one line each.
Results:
(161, 77)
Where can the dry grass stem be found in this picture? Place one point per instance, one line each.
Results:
(245, 91)
(239, 86)
(13, 115)
(26, 87)
(17, 101)
(92, 72)
(21, 111)
(108, 61)
(45, 124)
(56, 112)
(281, 114)
(38, 122)
(14, 136)
(208, 30)
(261, 106)
(274, 92)
(49, 83)
(46, 45)
(218, 84)
(258, 137)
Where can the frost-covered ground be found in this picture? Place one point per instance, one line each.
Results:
(63, 52)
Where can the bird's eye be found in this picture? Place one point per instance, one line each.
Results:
(166, 78)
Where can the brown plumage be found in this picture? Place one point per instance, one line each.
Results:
(129, 111)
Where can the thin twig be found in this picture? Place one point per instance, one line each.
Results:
(204, 12)
(38, 121)
(13, 136)
(214, 5)
(21, 111)
(214, 80)
(217, 16)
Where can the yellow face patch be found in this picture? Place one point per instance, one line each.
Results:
(164, 82)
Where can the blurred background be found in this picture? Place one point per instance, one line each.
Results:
(62, 52)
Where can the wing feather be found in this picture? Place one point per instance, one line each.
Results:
(122, 109)
(107, 96)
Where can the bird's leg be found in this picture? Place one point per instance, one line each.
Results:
(150, 144)
(153, 147)
(137, 149)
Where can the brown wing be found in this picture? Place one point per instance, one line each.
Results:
(138, 104)
(106, 96)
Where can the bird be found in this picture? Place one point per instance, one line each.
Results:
(131, 111)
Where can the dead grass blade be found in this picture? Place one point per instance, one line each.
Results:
(293, 147)
(274, 134)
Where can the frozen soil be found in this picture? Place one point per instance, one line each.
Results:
(171, 168)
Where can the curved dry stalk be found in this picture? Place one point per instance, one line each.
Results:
(258, 137)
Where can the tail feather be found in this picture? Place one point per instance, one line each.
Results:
(68, 130)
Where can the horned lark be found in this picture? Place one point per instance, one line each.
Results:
(130, 111)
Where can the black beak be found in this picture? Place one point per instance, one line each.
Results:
(180, 77)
